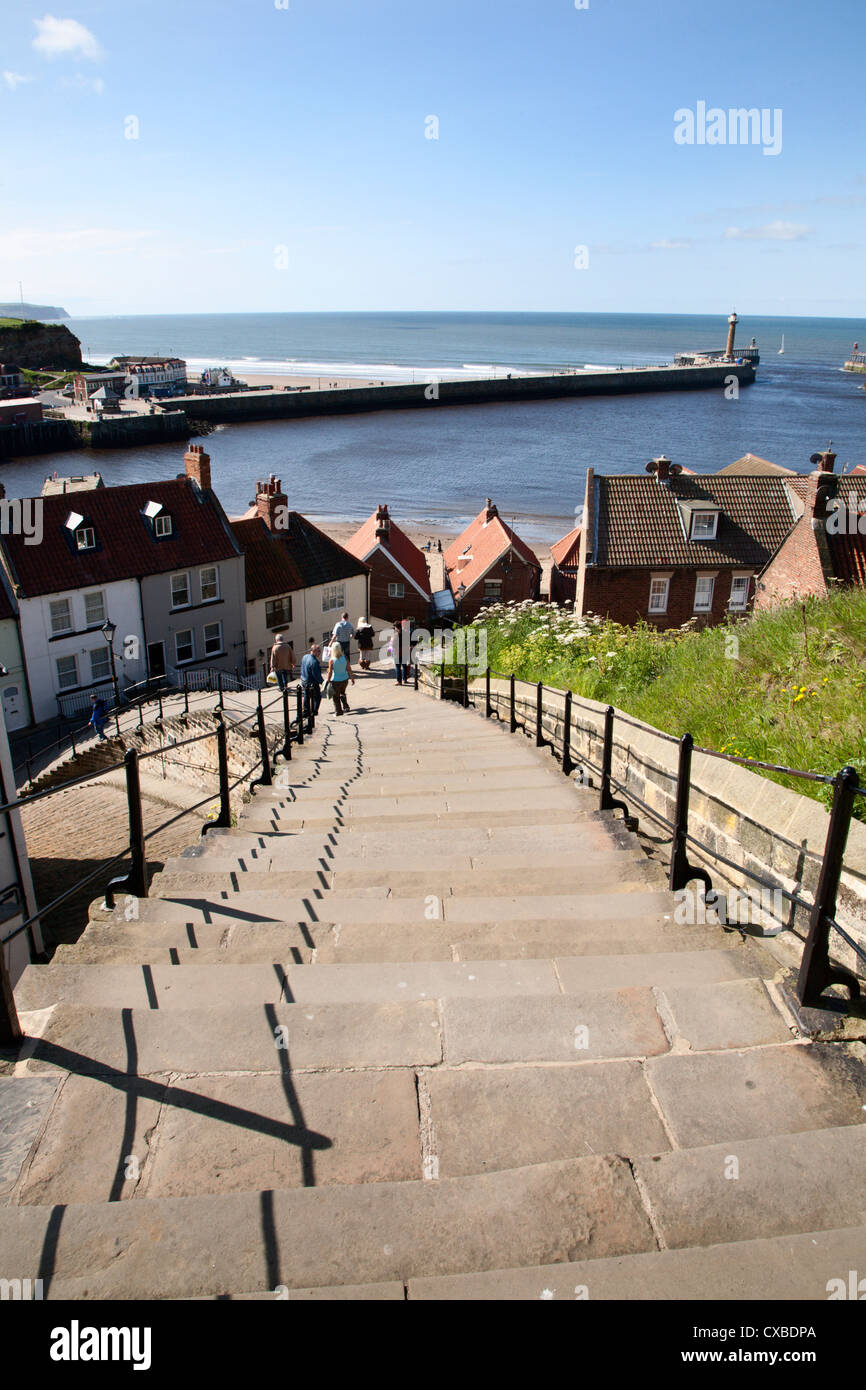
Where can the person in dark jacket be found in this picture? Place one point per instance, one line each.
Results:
(311, 676)
(282, 660)
(364, 637)
(98, 714)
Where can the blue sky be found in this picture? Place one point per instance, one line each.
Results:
(282, 161)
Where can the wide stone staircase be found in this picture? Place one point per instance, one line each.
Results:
(422, 1025)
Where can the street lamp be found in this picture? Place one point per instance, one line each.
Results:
(108, 631)
(460, 595)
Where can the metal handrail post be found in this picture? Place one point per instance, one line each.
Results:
(466, 685)
(568, 765)
(265, 779)
(220, 687)
(185, 694)
(816, 972)
(488, 708)
(224, 819)
(415, 671)
(605, 801)
(135, 882)
(300, 716)
(681, 871)
(442, 681)
(512, 715)
(539, 701)
(287, 728)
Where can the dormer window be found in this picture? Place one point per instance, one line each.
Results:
(704, 526)
(85, 538)
(162, 525)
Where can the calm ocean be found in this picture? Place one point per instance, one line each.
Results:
(435, 466)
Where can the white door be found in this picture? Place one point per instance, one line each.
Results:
(13, 708)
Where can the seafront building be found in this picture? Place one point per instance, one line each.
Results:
(298, 580)
(399, 573)
(489, 563)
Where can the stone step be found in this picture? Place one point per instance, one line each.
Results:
(366, 942)
(425, 784)
(150, 943)
(181, 1247)
(292, 817)
(236, 1038)
(798, 1268)
(180, 876)
(191, 985)
(321, 906)
(311, 806)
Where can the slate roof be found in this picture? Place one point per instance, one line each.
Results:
(316, 557)
(270, 570)
(487, 542)
(567, 551)
(125, 544)
(638, 522)
(398, 545)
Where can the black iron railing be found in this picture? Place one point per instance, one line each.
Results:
(817, 972)
(135, 881)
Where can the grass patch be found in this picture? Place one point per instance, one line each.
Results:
(786, 686)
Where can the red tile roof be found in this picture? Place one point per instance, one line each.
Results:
(567, 551)
(848, 547)
(270, 570)
(486, 541)
(125, 544)
(403, 551)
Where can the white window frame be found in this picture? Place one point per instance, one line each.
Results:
(740, 607)
(217, 651)
(336, 593)
(184, 575)
(184, 660)
(214, 570)
(106, 674)
(66, 685)
(55, 603)
(495, 587)
(655, 608)
(94, 593)
(712, 517)
(85, 538)
(397, 590)
(162, 524)
(699, 580)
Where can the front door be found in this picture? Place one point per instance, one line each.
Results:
(156, 659)
(13, 708)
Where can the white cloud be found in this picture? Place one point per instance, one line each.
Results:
(771, 231)
(668, 244)
(57, 38)
(84, 84)
(15, 79)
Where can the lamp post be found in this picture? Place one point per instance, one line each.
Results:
(108, 630)
(461, 592)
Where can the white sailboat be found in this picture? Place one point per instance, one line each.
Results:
(782, 348)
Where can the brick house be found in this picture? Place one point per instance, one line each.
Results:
(826, 546)
(669, 547)
(564, 567)
(488, 564)
(298, 580)
(399, 574)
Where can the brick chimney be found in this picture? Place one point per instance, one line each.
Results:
(661, 466)
(270, 497)
(823, 483)
(490, 511)
(383, 525)
(197, 464)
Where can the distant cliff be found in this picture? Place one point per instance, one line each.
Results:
(28, 343)
(32, 311)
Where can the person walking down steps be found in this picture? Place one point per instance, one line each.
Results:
(311, 676)
(282, 660)
(98, 714)
(343, 633)
(339, 675)
(364, 637)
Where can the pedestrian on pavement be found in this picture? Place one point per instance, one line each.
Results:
(311, 676)
(364, 635)
(343, 633)
(339, 674)
(401, 648)
(98, 714)
(282, 660)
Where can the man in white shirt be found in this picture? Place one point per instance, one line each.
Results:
(343, 633)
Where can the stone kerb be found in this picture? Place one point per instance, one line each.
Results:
(754, 822)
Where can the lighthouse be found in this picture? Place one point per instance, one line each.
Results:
(732, 324)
